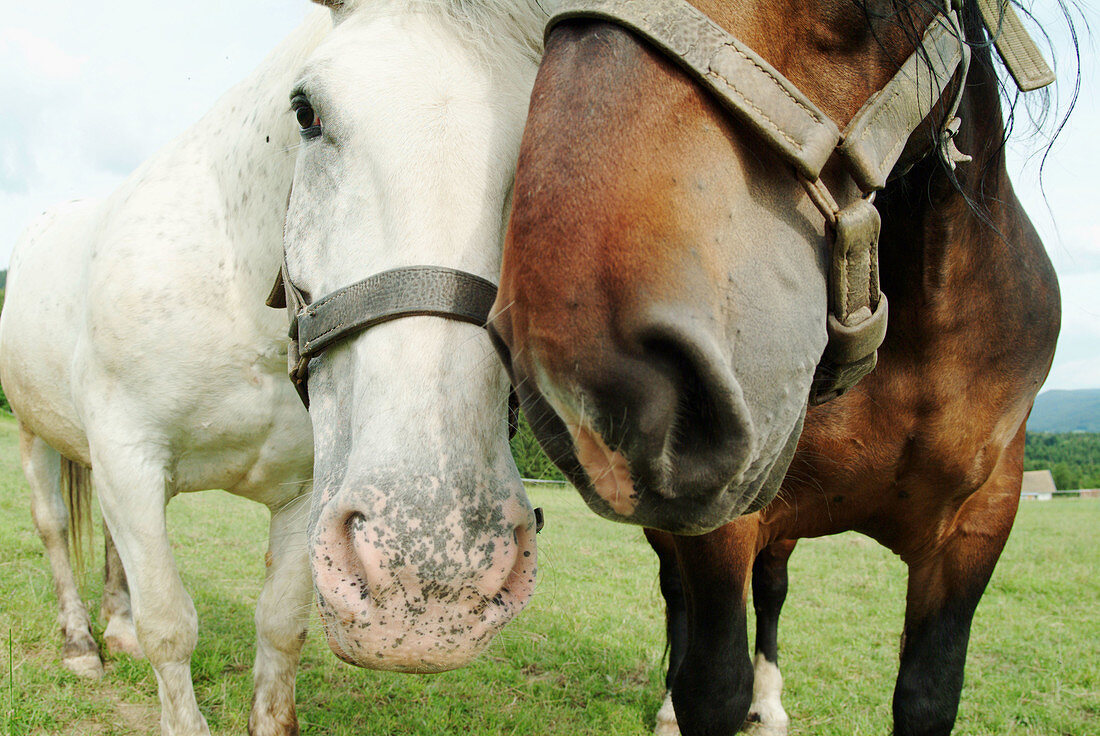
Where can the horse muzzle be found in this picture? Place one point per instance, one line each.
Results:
(422, 589)
(653, 431)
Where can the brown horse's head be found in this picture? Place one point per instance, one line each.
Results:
(663, 301)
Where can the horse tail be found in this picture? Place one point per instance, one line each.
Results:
(76, 489)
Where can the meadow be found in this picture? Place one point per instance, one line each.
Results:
(587, 655)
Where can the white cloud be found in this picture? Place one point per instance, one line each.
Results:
(37, 56)
(93, 89)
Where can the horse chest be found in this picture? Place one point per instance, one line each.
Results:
(249, 437)
(900, 453)
(266, 466)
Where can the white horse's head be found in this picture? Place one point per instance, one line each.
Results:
(422, 539)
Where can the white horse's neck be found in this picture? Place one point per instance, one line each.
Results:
(252, 137)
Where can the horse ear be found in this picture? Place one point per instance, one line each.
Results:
(334, 4)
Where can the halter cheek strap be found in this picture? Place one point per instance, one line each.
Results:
(1015, 46)
(284, 295)
(757, 95)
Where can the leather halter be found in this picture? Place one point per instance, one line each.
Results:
(413, 291)
(757, 95)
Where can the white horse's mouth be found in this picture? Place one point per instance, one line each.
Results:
(426, 605)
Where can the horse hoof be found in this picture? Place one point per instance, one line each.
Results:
(279, 730)
(121, 638)
(88, 666)
(124, 645)
(270, 725)
(667, 729)
(666, 720)
(755, 727)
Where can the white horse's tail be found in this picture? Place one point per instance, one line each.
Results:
(76, 488)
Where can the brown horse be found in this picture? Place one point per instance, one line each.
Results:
(662, 311)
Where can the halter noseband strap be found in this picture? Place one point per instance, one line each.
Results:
(806, 138)
(412, 291)
(402, 292)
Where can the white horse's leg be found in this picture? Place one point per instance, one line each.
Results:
(42, 466)
(132, 494)
(120, 635)
(282, 618)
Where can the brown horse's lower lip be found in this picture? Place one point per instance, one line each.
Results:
(608, 469)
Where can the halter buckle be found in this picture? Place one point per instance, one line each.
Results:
(858, 312)
(951, 154)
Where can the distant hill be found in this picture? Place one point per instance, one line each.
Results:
(1066, 411)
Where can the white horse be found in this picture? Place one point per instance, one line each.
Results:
(135, 342)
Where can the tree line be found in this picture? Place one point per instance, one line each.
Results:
(1073, 459)
(530, 459)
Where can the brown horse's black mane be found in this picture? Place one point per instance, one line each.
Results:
(1042, 117)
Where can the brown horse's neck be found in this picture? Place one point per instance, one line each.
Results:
(974, 303)
(962, 250)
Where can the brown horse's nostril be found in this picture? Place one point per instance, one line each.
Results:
(697, 416)
(704, 429)
(659, 415)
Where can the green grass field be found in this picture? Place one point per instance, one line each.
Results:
(586, 656)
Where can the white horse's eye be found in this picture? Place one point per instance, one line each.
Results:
(308, 120)
(306, 116)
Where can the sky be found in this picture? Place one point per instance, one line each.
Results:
(90, 92)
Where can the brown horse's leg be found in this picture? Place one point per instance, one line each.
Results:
(676, 624)
(120, 635)
(944, 590)
(769, 590)
(712, 688)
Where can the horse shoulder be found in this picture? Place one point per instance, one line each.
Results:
(154, 324)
